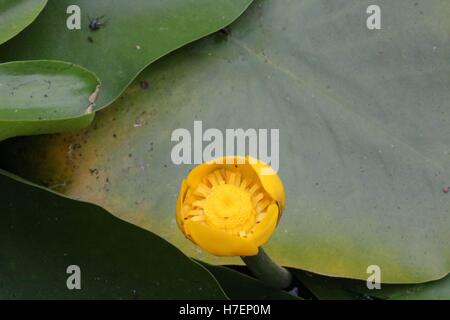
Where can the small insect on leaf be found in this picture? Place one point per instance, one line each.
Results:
(96, 23)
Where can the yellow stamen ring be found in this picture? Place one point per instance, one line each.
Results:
(226, 201)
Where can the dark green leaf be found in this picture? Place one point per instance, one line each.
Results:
(39, 97)
(239, 286)
(15, 15)
(327, 288)
(41, 234)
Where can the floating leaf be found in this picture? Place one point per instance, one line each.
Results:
(16, 15)
(364, 135)
(326, 288)
(42, 234)
(39, 97)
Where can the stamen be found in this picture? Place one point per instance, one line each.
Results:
(245, 183)
(258, 197)
(198, 218)
(199, 203)
(262, 205)
(238, 179)
(260, 217)
(232, 177)
(219, 177)
(254, 188)
(212, 179)
(192, 213)
(203, 190)
(227, 176)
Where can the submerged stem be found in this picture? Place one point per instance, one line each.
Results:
(268, 271)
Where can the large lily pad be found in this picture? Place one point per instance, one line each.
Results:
(39, 97)
(136, 33)
(326, 288)
(15, 15)
(364, 146)
(42, 234)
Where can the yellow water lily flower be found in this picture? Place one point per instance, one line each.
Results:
(230, 206)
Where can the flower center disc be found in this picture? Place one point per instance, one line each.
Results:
(230, 208)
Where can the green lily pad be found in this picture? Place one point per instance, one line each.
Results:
(16, 15)
(135, 33)
(327, 288)
(39, 97)
(239, 286)
(42, 234)
(364, 134)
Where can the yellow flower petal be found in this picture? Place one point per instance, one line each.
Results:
(264, 229)
(218, 242)
(181, 195)
(270, 181)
